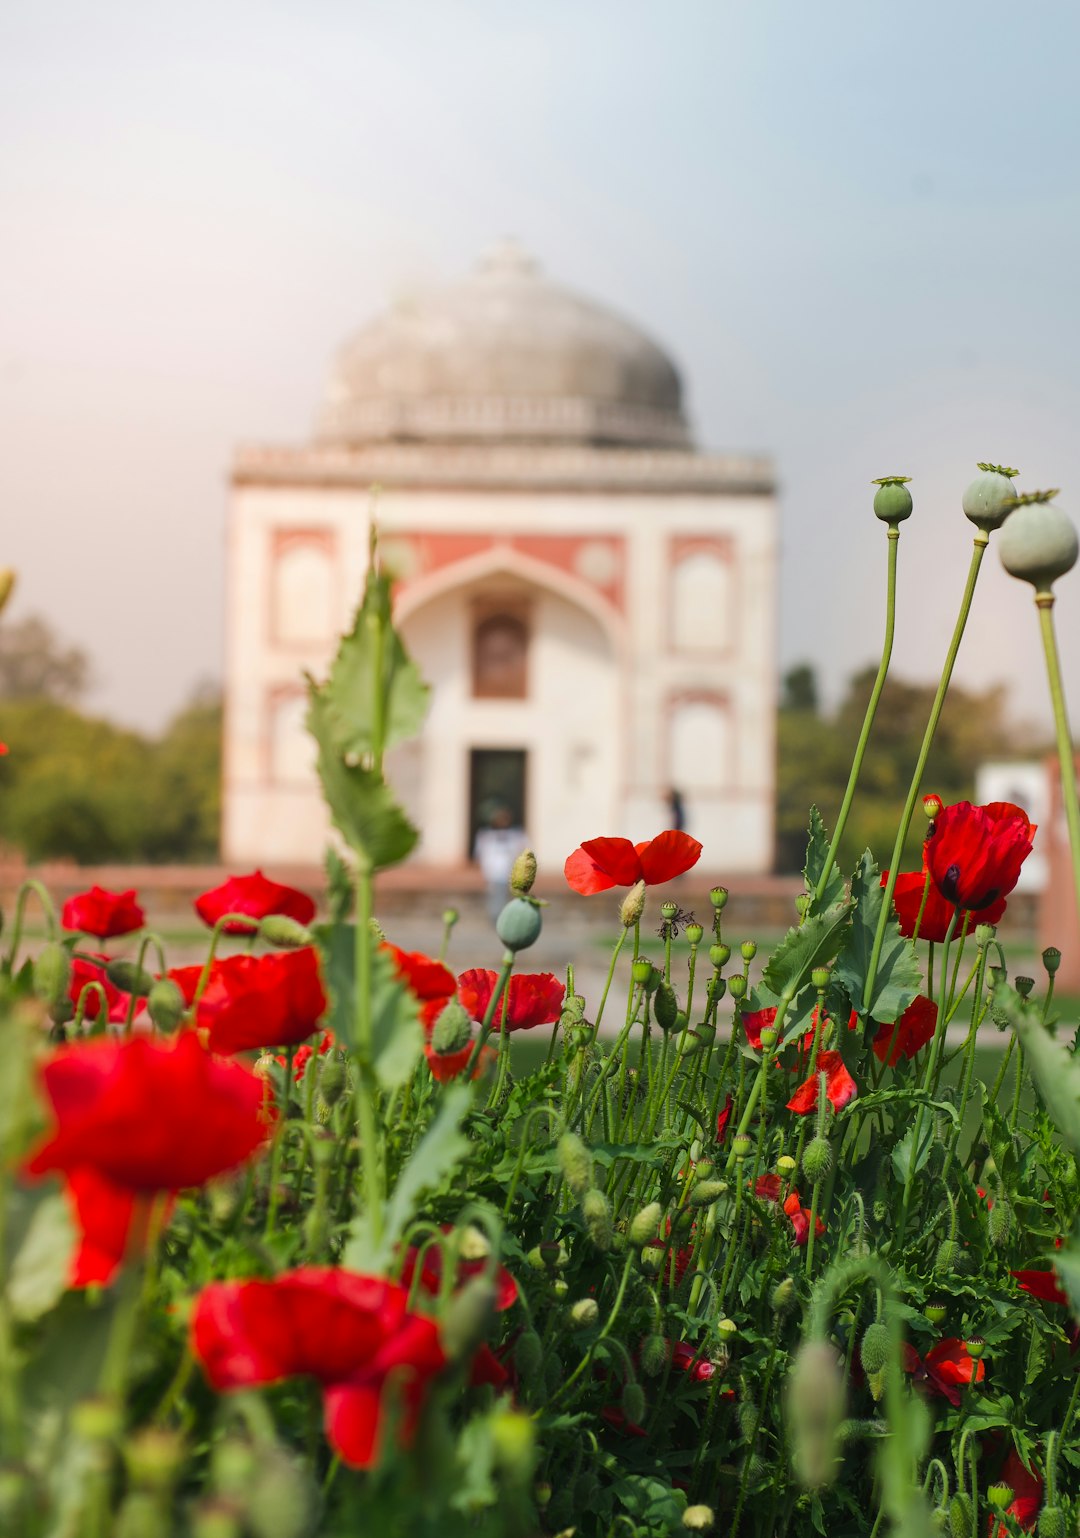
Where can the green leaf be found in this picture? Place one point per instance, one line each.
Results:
(898, 978)
(436, 1156)
(361, 804)
(38, 1277)
(817, 851)
(905, 1153)
(397, 1036)
(373, 676)
(1053, 1067)
(814, 943)
(894, 1097)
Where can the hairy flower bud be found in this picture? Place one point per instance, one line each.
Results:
(655, 1352)
(633, 1401)
(783, 1296)
(165, 1004)
(665, 1007)
(596, 1210)
(523, 873)
(467, 1317)
(633, 905)
(817, 1159)
(874, 1349)
(518, 925)
(280, 930)
(332, 1079)
(999, 1221)
(584, 1313)
(129, 977)
(575, 1161)
(528, 1354)
(961, 1521)
(52, 973)
(707, 1191)
(1052, 1523)
(644, 1224)
(452, 1030)
(815, 1408)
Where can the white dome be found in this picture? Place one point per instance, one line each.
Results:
(504, 356)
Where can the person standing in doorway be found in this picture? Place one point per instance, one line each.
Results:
(495, 849)
(677, 810)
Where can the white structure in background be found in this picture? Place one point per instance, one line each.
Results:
(1026, 784)
(592, 598)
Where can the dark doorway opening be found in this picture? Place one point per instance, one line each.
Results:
(496, 778)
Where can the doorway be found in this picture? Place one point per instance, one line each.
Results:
(496, 778)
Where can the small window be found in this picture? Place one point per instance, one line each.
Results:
(500, 655)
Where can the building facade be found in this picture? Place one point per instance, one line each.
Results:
(591, 598)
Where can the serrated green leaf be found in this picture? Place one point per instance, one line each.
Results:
(905, 1154)
(1053, 1067)
(898, 979)
(361, 804)
(397, 1036)
(814, 943)
(373, 678)
(817, 851)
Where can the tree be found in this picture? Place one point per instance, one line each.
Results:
(34, 664)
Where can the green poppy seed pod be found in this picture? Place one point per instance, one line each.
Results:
(932, 805)
(726, 1329)
(984, 933)
(719, 955)
(280, 930)
(518, 925)
(694, 934)
(1023, 985)
(584, 1313)
(975, 1347)
(936, 1311)
(576, 1164)
(703, 1169)
(748, 950)
(528, 1354)
(668, 910)
(817, 1160)
(665, 1007)
(467, 1317)
(165, 1004)
(699, 1519)
(7, 584)
(707, 1191)
(1051, 959)
(652, 1259)
(1000, 1495)
(768, 1037)
(736, 986)
(742, 1145)
(596, 1210)
(874, 1348)
(560, 1290)
(718, 896)
(642, 971)
(129, 978)
(783, 1295)
(892, 500)
(644, 1225)
(655, 1352)
(819, 978)
(785, 1166)
(632, 906)
(633, 1402)
(991, 497)
(1052, 1523)
(815, 1411)
(453, 1029)
(52, 973)
(332, 1080)
(961, 1521)
(523, 873)
(1038, 544)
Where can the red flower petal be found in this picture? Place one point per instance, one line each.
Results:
(1043, 1285)
(949, 1361)
(909, 1034)
(840, 1087)
(975, 853)
(429, 981)
(601, 863)
(936, 912)
(256, 896)
(102, 913)
(668, 855)
(754, 1021)
(251, 1002)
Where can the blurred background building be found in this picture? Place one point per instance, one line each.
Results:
(592, 597)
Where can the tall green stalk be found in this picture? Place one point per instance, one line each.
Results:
(1044, 602)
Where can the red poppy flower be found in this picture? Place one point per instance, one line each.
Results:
(531, 999)
(1027, 1489)
(768, 1187)
(840, 1087)
(446, 1066)
(974, 853)
(601, 863)
(149, 1115)
(274, 1000)
(1043, 1285)
(83, 972)
(685, 1357)
(256, 896)
(936, 913)
(353, 1334)
(304, 1054)
(754, 1022)
(945, 1368)
(187, 980)
(722, 1119)
(429, 981)
(104, 1213)
(909, 1034)
(431, 1266)
(103, 914)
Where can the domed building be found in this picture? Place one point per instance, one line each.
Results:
(591, 597)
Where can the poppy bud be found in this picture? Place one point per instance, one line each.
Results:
(332, 1080)
(999, 1221)
(450, 917)
(707, 1191)
(233, 1466)
(748, 950)
(892, 500)
(584, 1313)
(694, 934)
(1023, 985)
(975, 1346)
(655, 1352)
(528, 1354)
(948, 1252)
(990, 498)
(783, 1295)
(52, 973)
(815, 1412)
(699, 1519)
(1039, 543)
(279, 930)
(1051, 959)
(936, 1311)
(961, 1522)
(718, 896)
(165, 1004)
(523, 873)
(802, 904)
(742, 1145)
(932, 805)
(452, 1030)
(575, 1162)
(665, 1007)
(633, 1402)
(596, 1210)
(747, 1416)
(682, 1222)
(644, 1225)
(467, 1317)
(874, 1349)
(518, 925)
(719, 955)
(1052, 1523)
(633, 905)
(817, 1159)
(129, 978)
(737, 986)
(1000, 1495)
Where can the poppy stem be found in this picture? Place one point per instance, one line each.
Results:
(607, 982)
(1044, 602)
(365, 1070)
(868, 719)
(969, 1062)
(982, 539)
(928, 1080)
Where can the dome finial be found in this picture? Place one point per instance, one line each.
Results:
(507, 258)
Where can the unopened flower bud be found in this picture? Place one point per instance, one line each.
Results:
(975, 1347)
(528, 1354)
(719, 955)
(655, 1352)
(815, 1412)
(633, 1402)
(961, 1521)
(1000, 1495)
(644, 1224)
(999, 1222)
(280, 930)
(1051, 959)
(129, 978)
(707, 1191)
(642, 971)
(694, 934)
(932, 806)
(665, 1007)
(802, 904)
(513, 1441)
(52, 973)
(165, 1004)
(153, 1457)
(518, 925)
(817, 1160)
(633, 905)
(452, 1030)
(718, 896)
(742, 1145)
(1052, 1522)
(450, 917)
(748, 950)
(596, 1210)
(783, 1295)
(819, 978)
(523, 873)
(467, 1317)
(874, 1348)
(584, 1313)
(575, 1161)
(332, 1078)
(699, 1519)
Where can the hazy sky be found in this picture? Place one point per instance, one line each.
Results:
(855, 225)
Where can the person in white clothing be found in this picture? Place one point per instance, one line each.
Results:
(495, 849)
